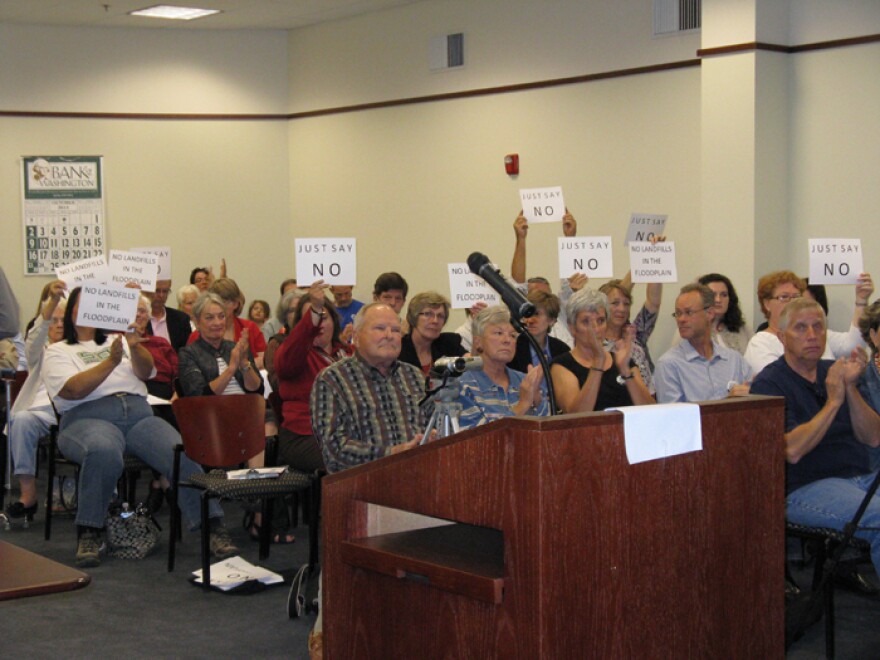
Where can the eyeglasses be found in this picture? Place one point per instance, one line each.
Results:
(687, 313)
(785, 297)
(432, 316)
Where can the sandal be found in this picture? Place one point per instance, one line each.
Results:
(253, 530)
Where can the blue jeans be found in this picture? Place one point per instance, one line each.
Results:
(28, 426)
(95, 434)
(833, 503)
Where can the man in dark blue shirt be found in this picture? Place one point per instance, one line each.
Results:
(829, 427)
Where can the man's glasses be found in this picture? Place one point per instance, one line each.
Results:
(687, 313)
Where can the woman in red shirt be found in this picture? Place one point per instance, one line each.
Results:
(312, 344)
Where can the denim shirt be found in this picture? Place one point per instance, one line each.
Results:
(869, 388)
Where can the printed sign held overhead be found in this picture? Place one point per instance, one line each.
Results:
(333, 260)
(644, 227)
(835, 260)
(542, 204)
(107, 307)
(590, 255)
(652, 263)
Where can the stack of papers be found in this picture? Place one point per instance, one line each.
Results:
(257, 473)
(234, 572)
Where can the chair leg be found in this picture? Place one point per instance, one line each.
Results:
(266, 506)
(50, 473)
(173, 524)
(206, 545)
(829, 619)
(314, 520)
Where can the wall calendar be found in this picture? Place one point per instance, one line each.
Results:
(62, 211)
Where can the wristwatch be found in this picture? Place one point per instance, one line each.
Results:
(621, 379)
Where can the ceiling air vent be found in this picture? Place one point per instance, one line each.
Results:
(671, 16)
(446, 52)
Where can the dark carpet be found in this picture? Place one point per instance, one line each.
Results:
(136, 609)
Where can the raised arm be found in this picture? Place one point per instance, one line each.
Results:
(518, 263)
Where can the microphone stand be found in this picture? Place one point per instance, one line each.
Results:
(545, 366)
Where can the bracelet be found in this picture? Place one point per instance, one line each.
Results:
(246, 368)
(864, 304)
(320, 314)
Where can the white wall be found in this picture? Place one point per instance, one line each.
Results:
(207, 188)
(384, 56)
(835, 157)
(422, 186)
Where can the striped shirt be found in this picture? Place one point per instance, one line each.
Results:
(358, 414)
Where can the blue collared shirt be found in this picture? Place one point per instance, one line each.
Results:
(684, 375)
(482, 401)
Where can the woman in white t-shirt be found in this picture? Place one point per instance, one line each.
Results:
(96, 382)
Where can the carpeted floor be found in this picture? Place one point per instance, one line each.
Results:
(137, 609)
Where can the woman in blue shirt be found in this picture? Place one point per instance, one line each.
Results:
(497, 391)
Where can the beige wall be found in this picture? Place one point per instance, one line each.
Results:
(424, 184)
(206, 188)
(384, 56)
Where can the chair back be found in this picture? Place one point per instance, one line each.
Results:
(221, 431)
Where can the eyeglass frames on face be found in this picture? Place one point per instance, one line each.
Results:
(687, 313)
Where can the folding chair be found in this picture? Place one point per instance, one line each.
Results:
(224, 432)
(801, 612)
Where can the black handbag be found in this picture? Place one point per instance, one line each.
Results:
(131, 534)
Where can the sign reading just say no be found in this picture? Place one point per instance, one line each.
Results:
(835, 260)
(542, 204)
(333, 260)
(590, 255)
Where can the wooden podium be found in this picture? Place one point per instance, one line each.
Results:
(561, 548)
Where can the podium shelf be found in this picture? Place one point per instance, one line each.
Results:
(462, 559)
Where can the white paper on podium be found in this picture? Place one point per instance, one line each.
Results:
(658, 431)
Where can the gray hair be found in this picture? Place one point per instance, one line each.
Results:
(585, 300)
(286, 303)
(207, 298)
(358, 321)
(185, 290)
(487, 316)
(800, 305)
(706, 294)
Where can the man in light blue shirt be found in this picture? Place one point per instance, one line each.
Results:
(699, 368)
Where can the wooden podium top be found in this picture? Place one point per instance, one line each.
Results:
(24, 573)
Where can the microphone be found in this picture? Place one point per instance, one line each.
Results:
(455, 366)
(520, 308)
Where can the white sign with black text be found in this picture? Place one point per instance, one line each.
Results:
(651, 263)
(835, 260)
(138, 267)
(466, 288)
(93, 269)
(107, 306)
(164, 256)
(333, 260)
(590, 255)
(542, 204)
(644, 227)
